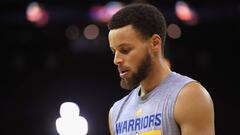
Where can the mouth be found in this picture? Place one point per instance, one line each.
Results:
(123, 73)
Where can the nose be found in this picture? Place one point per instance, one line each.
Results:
(117, 59)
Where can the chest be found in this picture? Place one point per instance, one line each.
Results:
(140, 117)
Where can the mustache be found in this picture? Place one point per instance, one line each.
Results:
(122, 69)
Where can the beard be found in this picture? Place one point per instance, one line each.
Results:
(141, 74)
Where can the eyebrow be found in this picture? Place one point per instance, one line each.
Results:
(123, 44)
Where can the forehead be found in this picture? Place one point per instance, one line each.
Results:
(123, 35)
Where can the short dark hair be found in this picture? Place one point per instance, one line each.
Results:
(145, 19)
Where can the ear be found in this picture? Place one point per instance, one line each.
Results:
(156, 43)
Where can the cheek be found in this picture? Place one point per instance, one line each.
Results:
(134, 61)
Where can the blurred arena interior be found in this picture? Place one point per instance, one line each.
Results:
(56, 51)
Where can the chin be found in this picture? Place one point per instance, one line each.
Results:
(128, 84)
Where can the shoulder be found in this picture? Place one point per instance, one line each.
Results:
(124, 99)
(194, 107)
(120, 102)
(116, 109)
(193, 93)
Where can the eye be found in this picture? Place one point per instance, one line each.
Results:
(125, 50)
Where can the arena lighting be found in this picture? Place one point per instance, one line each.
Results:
(91, 31)
(112, 7)
(104, 13)
(185, 13)
(36, 14)
(70, 123)
(174, 31)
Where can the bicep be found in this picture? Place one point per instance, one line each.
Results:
(110, 122)
(194, 111)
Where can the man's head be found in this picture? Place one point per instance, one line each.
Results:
(137, 33)
(146, 19)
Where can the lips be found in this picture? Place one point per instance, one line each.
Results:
(123, 72)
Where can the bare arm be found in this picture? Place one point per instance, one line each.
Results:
(194, 111)
(110, 122)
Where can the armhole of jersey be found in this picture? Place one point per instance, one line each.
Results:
(191, 81)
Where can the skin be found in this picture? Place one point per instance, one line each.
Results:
(193, 111)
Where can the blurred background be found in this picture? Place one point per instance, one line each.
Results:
(57, 51)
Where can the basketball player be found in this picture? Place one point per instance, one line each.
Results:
(161, 101)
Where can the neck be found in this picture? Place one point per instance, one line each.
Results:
(158, 73)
